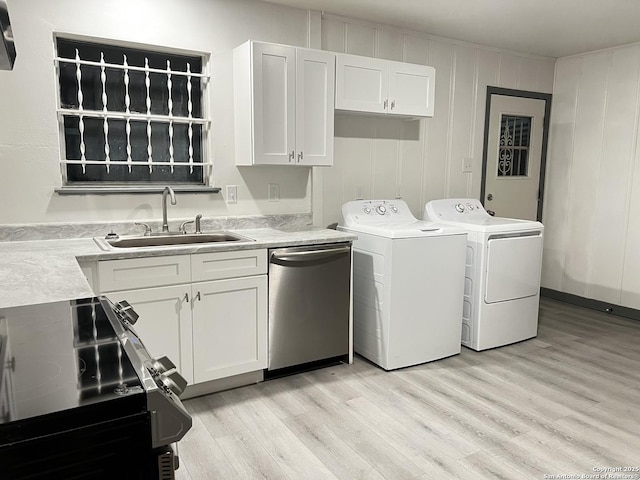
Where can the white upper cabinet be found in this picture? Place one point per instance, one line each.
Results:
(362, 84)
(284, 105)
(373, 85)
(315, 91)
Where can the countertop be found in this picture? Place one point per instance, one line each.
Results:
(41, 271)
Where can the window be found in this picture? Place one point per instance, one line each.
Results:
(129, 116)
(513, 152)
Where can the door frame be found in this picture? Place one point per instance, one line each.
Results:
(545, 137)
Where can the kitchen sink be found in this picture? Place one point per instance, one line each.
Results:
(170, 240)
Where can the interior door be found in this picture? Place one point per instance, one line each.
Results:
(515, 140)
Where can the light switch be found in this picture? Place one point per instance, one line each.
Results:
(232, 194)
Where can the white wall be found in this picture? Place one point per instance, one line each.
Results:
(29, 143)
(593, 178)
(419, 160)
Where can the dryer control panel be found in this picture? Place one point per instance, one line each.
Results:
(453, 209)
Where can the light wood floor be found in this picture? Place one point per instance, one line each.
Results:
(565, 402)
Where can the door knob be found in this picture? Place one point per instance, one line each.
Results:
(490, 197)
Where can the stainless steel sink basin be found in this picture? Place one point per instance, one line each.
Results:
(168, 240)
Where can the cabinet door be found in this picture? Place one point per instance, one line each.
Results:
(229, 327)
(411, 89)
(361, 84)
(315, 86)
(164, 325)
(273, 104)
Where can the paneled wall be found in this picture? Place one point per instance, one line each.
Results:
(593, 178)
(418, 160)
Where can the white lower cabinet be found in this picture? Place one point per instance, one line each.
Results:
(165, 325)
(7, 402)
(229, 327)
(211, 329)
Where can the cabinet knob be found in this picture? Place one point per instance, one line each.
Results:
(300, 156)
(292, 155)
(186, 297)
(393, 104)
(385, 104)
(197, 297)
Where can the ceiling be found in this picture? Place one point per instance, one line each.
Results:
(550, 28)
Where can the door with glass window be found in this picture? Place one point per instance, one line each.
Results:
(515, 148)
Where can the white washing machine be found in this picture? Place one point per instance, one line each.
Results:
(408, 278)
(502, 274)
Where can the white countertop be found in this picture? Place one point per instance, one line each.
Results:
(43, 271)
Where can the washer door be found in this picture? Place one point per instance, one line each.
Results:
(513, 268)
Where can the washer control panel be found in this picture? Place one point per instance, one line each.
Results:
(376, 211)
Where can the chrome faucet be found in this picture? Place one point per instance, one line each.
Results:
(183, 225)
(165, 192)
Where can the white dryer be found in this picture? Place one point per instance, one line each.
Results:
(502, 275)
(408, 280)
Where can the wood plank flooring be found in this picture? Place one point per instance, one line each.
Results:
(563, 403)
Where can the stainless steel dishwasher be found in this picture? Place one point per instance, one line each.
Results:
(309, 292)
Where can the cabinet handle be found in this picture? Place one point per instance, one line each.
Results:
(11, 363)
(198, 296)
(292, 155)
(186, 297)
(393, 104)
(300, 156)
(385, 104)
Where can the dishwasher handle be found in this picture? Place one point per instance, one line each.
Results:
(295, 256)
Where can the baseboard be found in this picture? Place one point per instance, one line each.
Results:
(221, 384)
(592, 304)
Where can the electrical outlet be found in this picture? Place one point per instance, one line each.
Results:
(274, 192)
(232, 194)
(359, 192)
(467, 165)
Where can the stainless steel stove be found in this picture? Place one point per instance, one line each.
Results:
(80, 397)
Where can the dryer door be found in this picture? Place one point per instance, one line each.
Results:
(513, 267)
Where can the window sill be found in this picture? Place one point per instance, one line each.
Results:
(137, 189)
